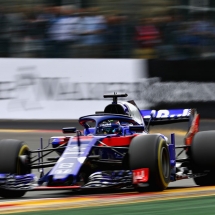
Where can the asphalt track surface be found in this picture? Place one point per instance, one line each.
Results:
(32, 132)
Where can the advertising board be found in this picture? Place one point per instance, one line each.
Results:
(64, 88)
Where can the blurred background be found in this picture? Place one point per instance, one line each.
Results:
(158, 29)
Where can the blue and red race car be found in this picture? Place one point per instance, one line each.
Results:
(114, 150)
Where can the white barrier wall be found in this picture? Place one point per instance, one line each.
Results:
(64, 88)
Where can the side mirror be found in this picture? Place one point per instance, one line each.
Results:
(69, 130)
(137, 128)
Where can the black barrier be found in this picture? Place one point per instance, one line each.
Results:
(184, 84)
(182, 70)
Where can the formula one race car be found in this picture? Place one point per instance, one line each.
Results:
(114, 150)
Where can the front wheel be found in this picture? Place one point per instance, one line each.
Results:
(151, 151)
(10, 152)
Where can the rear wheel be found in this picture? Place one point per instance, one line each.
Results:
(10, 153)
(203, 157)
(151, 151)
(207, 180)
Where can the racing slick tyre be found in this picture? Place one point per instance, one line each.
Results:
(10, 152)
(202, 155)
(151, 151)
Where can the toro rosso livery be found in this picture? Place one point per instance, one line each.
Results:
(115, 149)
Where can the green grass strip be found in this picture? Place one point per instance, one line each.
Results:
(191, 206)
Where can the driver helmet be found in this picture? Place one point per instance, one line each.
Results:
(110, 127)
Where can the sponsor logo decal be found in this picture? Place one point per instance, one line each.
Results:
(160, 114)
(140, 175)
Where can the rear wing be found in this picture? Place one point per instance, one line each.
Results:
(160, 117)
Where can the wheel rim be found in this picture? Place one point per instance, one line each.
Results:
(23, 151)
(165, 162)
